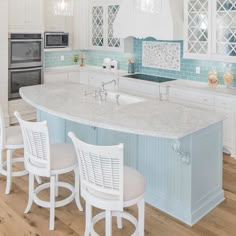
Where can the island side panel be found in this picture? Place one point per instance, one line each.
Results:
(86, 133)
(130, 141)
(56, 126)
(168, 178)
(207, 159)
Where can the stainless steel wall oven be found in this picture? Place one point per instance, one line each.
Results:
(25, 62)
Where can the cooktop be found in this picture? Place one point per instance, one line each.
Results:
(153, 78)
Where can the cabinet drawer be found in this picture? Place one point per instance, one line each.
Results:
(193, 97)
(222, 102)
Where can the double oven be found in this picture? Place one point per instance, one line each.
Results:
(25, 62)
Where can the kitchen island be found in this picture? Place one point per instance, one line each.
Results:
(178, 149)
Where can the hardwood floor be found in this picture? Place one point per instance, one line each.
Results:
(70, 221)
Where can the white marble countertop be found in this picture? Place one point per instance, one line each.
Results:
(149, 117)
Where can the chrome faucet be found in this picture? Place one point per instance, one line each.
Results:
(102, 91)
(103, 84)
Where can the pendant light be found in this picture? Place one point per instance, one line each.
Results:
(63, 7)
(148, 6)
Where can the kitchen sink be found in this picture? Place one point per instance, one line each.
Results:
(122, 98)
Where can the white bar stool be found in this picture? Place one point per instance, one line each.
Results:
(107, 185)
(48, 160)
(10, 140)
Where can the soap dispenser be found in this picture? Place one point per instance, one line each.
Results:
(114, 65)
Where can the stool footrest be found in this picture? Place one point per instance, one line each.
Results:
(60, 203)
(14, 173)
(123, 214)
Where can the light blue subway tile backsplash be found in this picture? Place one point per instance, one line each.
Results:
(187, 72)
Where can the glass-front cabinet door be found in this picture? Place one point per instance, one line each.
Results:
(210, 29)
(97, 25)
(224, 29)
(197, 30)
(102, 16)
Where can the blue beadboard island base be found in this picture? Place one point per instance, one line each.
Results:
(184, 177)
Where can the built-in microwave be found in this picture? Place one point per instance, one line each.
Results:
(56, 40)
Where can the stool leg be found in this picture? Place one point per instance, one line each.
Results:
(1, 161)
(56, 186)
(31, 192)
(141, 208)
(52, 202)
(119, 222)
(38, 179)
(108, 223)
(88, 219)
(77, 190)
(9, 171)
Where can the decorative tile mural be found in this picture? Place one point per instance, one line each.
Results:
(161, 55)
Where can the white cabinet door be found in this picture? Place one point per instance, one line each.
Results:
(192, 98)
(81, 24)
(26, 16)
(197, 28)
(210, 30)
(102, 15)
(53, 22)
(228, 129)
(224, 30)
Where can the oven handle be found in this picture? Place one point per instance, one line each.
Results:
(26, 40)
(31, 69)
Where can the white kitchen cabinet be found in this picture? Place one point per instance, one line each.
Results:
(197, 28)
(192, 98)
(102, 15)
(210, 30)
(53, 22)
(224, 30)
(228, 130)
(81, 24)
(225, 106)
(26, 16)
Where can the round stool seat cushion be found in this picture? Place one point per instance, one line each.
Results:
(134, 184)
(62, 156)
(14, 136)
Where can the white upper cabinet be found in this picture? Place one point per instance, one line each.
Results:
(224, 29)
(197, 28)
(102, 14)
(26, 16)
(210, 29)
(81, 24)
(53, 22)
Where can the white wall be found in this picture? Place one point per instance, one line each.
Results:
(4, 56)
